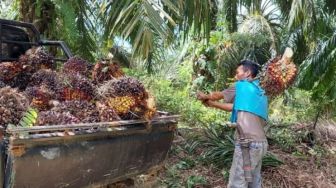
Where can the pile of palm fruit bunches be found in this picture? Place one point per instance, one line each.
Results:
(278, 74)
(78, 92)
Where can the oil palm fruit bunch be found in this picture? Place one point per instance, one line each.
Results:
(145, 109)
(55, 118)
(106, 113)
(47, 78)
(127, 96)
(83, 110)
(35, 59)
(75, 87)
(125, 86)
(2, 84)
(13, 105)
(150, 108)
(278, 74)
(39, 97)
(76, 65)
(8, 70)
(121, 104)
(106, 70)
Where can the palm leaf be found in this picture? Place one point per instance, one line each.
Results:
(318, 63)
(29, 118)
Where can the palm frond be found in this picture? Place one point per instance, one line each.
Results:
(302, 14)
(319, 69)
(29, 118)
(330, 6)
(85, 27)
(139, 22)
(230, 11)
(193, 16)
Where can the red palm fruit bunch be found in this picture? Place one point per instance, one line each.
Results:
(76, 65)
(146, 109)
(106, 70)
(8, 70)
(126, 96)
(278, 74)
(75, 87)
(39, 97)
(55, 118)
(106, 113)
(35, 59)
(47, 78)
(13, 105)
(83, 110)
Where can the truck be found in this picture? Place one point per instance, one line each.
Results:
(76, 155)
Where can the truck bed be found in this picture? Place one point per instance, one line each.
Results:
(84, 155)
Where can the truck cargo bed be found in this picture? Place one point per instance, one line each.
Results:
(84, 155)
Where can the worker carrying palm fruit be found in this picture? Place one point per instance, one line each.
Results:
(248, 103)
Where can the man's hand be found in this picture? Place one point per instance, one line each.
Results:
(206, 103)
(201, 96)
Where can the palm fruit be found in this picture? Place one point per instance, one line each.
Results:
(75, 87)
(76, 65)
(46, 77)
(35, 59)
(12, 106)
(21, 81)
(8, 70)
(146, 109)
(106, 113)
(2, 84)
(85, 111)
(128, 97)
(106, 70)
(121, 105)
(150, 108)
(39, 97)
(278, 74)
(125, 86)
(55, 118)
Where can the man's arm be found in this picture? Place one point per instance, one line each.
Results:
(214, 96)
(223, 106)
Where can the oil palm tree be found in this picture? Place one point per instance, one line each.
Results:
(71, 21)
(152, 24)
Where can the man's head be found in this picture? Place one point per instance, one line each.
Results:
(246, 70)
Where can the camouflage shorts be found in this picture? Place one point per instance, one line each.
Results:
(237, 178)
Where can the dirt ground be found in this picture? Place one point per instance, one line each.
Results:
(298, 171)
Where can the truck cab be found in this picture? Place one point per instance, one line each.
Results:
(17, 37)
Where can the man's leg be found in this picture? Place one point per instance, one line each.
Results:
(257, 152)
(237, 177)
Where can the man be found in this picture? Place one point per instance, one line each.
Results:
(248, 104)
